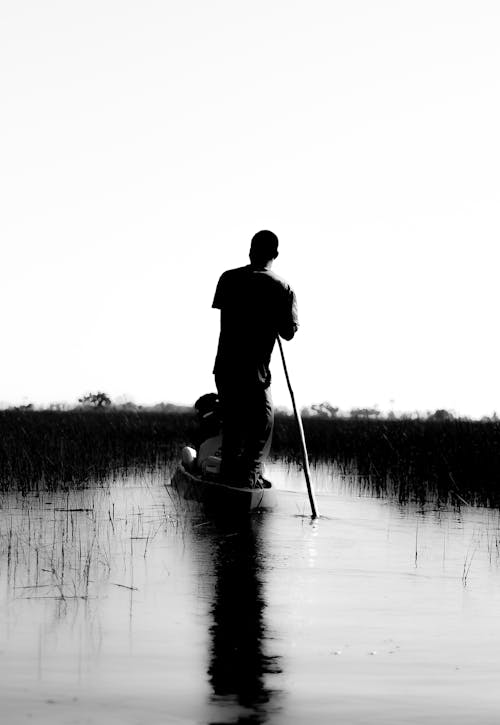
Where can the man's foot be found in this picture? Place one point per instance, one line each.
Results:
(251, 482)
(254, 480)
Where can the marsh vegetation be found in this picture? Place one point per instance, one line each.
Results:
(53, 449)
(409, 460)
(125, 601)
(444, 461)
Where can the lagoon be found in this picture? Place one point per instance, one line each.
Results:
(121, 603)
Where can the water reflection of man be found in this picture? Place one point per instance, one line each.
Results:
(256, 306)
(239, 667)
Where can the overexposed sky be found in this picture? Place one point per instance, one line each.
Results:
(142, 144)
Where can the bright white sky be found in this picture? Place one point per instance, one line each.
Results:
(144, 142)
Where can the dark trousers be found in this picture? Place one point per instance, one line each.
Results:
(247, 429)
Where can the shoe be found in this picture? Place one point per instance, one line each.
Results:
(255, 481)
(244, 480)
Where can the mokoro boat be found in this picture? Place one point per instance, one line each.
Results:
(220, 496)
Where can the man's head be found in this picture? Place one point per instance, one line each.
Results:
(264, 247)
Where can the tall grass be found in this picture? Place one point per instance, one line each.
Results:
(417, 460)
(49, 449)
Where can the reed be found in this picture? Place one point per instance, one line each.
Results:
(419, 460)
(409, 460)
(53, 449)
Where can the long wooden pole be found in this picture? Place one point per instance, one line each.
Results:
(305, 459)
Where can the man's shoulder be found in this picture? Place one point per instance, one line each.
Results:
(229, 281)
(261, 281)
(250, 271)
(236, 272)
(280, 281)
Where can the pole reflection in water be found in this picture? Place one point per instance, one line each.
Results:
(240, 665)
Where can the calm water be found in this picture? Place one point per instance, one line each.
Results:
(124, 604)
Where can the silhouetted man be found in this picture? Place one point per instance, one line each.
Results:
(256, 305)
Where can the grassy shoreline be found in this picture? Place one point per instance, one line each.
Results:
(44, 449)
(418, 460)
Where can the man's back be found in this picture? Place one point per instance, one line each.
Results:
(256, 305)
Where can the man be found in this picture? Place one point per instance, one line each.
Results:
(256, 306)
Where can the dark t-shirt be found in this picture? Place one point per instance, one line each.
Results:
(256, 305)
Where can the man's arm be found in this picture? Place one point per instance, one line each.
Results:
(289, 322)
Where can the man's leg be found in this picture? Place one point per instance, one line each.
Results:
(258, 432)
(232, 434)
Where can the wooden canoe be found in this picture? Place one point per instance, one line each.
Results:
(220, 496)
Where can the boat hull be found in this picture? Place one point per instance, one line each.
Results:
(221, 497)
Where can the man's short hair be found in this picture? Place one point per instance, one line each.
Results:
(264, 245)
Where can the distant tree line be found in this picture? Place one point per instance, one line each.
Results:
(324, 410)
(102, 401)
